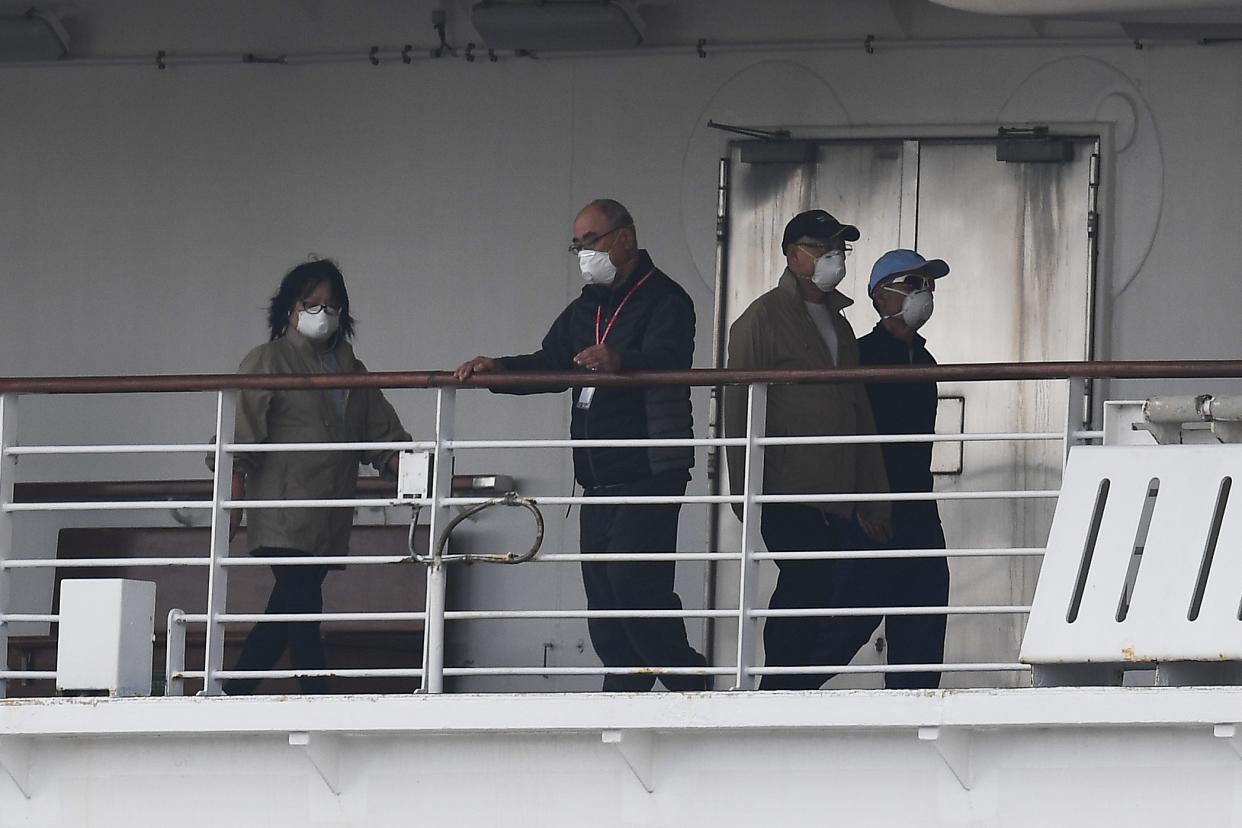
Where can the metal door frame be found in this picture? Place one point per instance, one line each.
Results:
(1102, 136)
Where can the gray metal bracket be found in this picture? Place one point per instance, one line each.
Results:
(954, 746)
(1076, 675)
(637, 748)
(324, 752)
(15, 760)
(1229, 732)
(1198, 674)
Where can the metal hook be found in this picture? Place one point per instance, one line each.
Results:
(867, 44)
(469, 53)
(373, 56)
(405, 54)
(491, 55)
(698, 47)
(159, 59)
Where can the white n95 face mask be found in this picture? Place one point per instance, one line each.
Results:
(596, 267)
(317, 326)
(916, 308)
(829, 270)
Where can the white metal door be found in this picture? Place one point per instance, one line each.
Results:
(1017, 239)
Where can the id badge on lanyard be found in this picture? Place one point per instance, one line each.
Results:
(587, 394)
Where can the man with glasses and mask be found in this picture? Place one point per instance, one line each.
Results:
(630, 316)
(798, 325)
(901, 288)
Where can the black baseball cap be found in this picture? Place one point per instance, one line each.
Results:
(818, 225)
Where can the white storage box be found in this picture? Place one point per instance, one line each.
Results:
(106, 627)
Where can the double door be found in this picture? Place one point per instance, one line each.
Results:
(1019, 240)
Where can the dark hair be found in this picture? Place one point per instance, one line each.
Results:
(300, 283)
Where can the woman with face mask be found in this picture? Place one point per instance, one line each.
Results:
(309, 331)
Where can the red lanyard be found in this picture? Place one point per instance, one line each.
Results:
(599, 311)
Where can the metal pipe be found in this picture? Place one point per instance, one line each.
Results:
(715, 457)
(699, 377)
(880, 554)
(623, 557)
(8, 474)
(298, 617)
(184, 488)
(394, 55)
(1028, 494)
(378, 672)
(320, 560)
(355, 503)
(217, 574)
(525, 615)
(441, 489)
(589, 670)
(268, 448)
(853, 612)
(982, 667)
(101, 563)
(168, 448)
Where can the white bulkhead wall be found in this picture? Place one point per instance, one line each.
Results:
(149, 214)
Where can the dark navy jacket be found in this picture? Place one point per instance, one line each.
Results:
(903, 408)
(653, 332)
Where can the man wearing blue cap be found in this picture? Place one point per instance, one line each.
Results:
(901, 288)
(798, 325)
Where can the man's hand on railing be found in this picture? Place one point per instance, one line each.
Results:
(599, 358)
(478, 365)
(879, 531)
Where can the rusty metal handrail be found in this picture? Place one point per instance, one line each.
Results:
(552, 380)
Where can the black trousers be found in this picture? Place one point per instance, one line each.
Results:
(633, 642)
(912, 639)
(297, 589)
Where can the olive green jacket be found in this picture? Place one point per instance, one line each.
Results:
(307, 417)
(777, 333)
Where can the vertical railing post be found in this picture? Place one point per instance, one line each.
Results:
(217, 584)
(8, 470)
(174, 654)
(1076, 414)
(441, 487)
(752, 514)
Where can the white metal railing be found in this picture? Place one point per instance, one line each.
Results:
(743, 671)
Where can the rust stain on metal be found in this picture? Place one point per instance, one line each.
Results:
(1128, 654)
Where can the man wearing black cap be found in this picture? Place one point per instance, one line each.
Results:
(630, 316)
(798, 325)
(901, 287)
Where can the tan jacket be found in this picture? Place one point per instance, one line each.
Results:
(307, 417)
(777, 333)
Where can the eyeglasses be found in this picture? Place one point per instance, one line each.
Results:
(824, 249)
(913, 282)
(315, 310)
(589, 241)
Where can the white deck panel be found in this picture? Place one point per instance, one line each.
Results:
(1157, 627)
(1072, 756)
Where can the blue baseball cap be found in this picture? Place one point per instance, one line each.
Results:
(901, 262)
